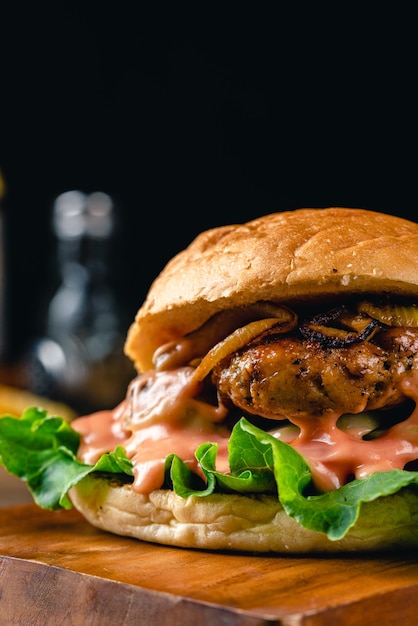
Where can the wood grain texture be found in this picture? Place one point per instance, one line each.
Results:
(57, 569)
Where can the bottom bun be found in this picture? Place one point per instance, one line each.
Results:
(239, 523)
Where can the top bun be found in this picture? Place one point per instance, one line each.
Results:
(283, 257)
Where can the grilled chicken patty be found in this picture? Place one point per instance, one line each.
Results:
(291, 376)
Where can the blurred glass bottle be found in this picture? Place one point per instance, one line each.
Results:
(80, 359)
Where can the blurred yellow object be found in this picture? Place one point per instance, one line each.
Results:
(2, 186)
(14, 401)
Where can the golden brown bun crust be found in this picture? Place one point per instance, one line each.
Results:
(284, 257)
(239, 523)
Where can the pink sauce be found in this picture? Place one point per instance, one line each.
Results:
(169, 419)
(150, 426)
(336, 457)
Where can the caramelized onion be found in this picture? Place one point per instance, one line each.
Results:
(318, 330)
(391, 314)
(237, 340)
(197, 343)
(353, 321)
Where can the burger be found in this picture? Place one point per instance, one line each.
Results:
(274, 408)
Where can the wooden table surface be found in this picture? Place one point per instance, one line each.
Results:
(57, 569)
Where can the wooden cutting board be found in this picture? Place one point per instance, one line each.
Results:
(57, 569)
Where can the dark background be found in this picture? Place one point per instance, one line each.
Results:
(194, 118)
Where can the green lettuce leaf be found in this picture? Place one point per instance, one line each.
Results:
(258, 461)
(41, 450)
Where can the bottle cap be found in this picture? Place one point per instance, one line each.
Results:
(69, 215)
